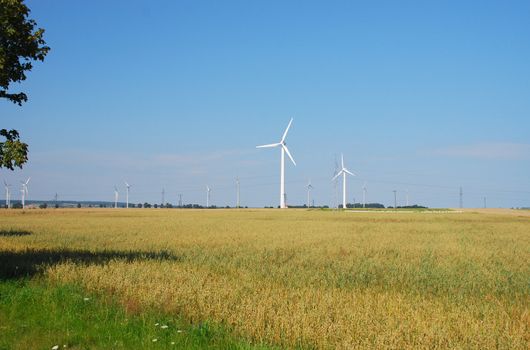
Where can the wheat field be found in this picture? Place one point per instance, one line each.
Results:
(295, 278)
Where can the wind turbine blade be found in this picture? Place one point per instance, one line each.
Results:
(126, 184)
(289, 154)
(286, 131)
(269, 145)
(336, 176)
(348, 172)
(342, 160)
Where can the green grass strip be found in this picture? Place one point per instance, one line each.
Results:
(37, 315)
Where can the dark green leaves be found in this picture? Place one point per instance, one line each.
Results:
(20, 43)
(13, 152)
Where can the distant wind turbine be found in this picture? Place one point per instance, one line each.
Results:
(208, 190)
(8, 194)
(343, 172)
(309, 189)
(24, 191)
(127, 195)
(364, 195)
(284, 149)
(115, 197)
(237, 194)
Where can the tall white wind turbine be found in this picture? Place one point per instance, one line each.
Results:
(115, 197)
(343, 171)
(127, 194)
(8, 194)
(24, 191)
(284, 149)
(208, 190)
(309, 189)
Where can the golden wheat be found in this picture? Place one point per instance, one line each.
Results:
(305, 278)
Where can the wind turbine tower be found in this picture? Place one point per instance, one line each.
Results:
(127, 195)
(237, 194)
(24, 191)
(163, 197)
(284, 150)
(208, 190)
(364, 195)
(8, 194)
(343, 172)
(309, 189)
(407, 198)
(115, 197)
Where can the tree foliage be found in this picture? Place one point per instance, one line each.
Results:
(13, 152)
(20, 44)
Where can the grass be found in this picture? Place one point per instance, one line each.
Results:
(38, 315)
(295, 278)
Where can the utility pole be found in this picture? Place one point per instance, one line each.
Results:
(461, 198)
(237, 184)
(55, 198)
(395, 199)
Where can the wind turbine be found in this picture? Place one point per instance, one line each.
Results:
(127, 195)
(208, 190)
(115, 197)
(343, 172)
(8, 194)
(364, 195)
(237, 185)
(24, 191)
(284, 150)
(309, 189)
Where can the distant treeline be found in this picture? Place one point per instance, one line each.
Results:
(69, 204)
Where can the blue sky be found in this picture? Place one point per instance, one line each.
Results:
(421, 96)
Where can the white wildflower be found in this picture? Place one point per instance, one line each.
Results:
(164, 326)
(55, 347)
(155, 340)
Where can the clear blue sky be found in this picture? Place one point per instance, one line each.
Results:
(421, 96)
